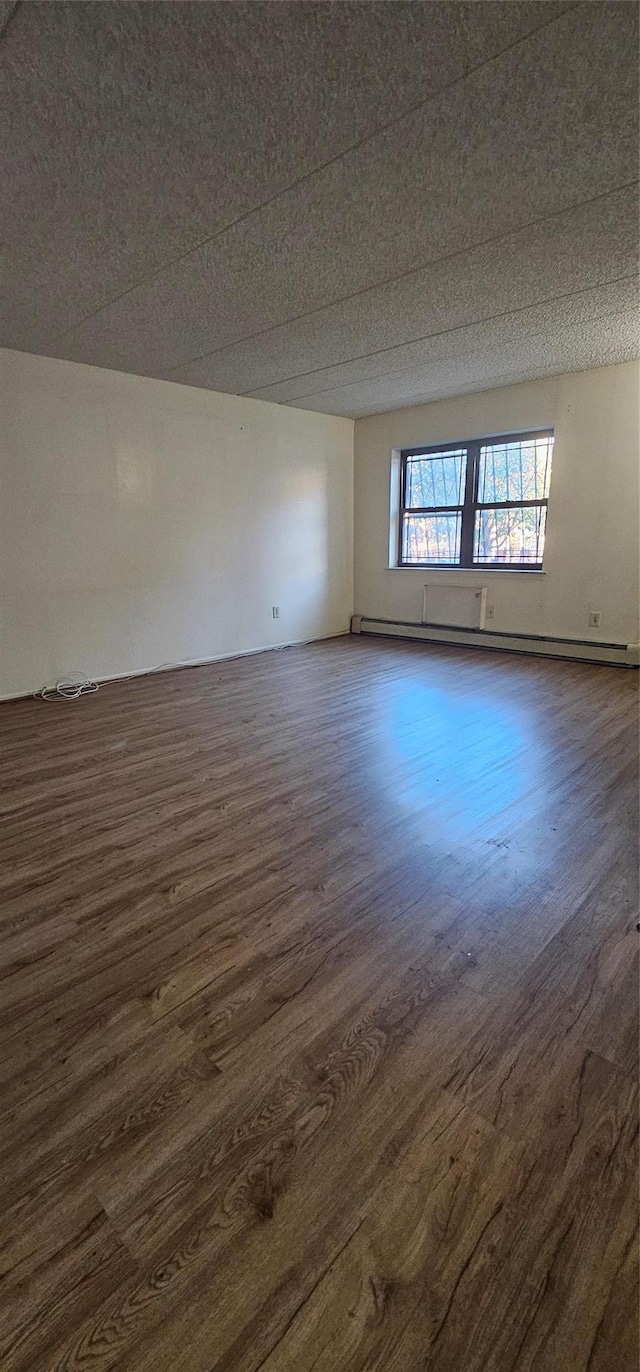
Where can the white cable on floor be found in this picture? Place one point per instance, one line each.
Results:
(69, 688)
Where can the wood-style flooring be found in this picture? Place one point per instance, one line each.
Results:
(318, 1018)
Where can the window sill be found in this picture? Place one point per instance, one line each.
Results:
(471, 571)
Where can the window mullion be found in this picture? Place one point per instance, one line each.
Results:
(468, 509)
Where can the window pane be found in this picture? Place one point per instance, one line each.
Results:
(431, 538)
(520, 470)
(510, 536)
(436, 479)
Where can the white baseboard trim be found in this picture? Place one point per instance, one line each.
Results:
(191, 662)
(575, 650)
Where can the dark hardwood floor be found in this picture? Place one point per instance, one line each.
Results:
(318, 1018)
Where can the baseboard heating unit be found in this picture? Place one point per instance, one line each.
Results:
(540, 645)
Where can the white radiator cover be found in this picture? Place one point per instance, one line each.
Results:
(460, 607)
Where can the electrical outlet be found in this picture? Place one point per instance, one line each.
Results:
(275, 610)
(490, 612)
(594, 619)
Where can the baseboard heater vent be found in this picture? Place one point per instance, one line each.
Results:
(541, 645)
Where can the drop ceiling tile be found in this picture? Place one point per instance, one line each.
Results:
(566, 253)
(136, 130)
(527, 134)
(515, 327)
(336, 272)
(598, 343)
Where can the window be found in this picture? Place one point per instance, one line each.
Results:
(481, 503)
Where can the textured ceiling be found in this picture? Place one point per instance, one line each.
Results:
(341, 206)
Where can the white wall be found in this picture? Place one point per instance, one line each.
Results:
(143, 522)
(591, 554)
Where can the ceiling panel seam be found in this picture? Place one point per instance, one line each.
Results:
(382, 376)
(322, 166)
(438, 333)
(489, 383)
(402, 276)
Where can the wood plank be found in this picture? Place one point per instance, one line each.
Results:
(318, 1017)
(467, 1260)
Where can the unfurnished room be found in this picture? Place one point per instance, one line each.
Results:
(319, 648)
